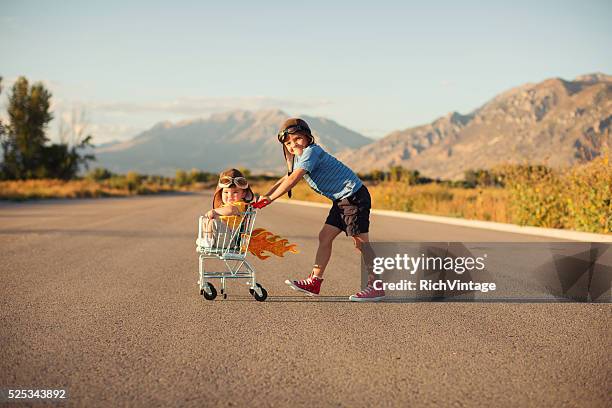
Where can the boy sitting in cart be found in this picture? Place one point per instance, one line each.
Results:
(230, 202)
(226, 233)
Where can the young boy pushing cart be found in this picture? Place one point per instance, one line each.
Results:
(350, 211)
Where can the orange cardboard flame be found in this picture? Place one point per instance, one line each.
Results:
(265, 241)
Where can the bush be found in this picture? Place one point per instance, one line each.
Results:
(197, 176)
(587, 191)
(181, 178)
(482, 178)
(133, 180)
(577, 198)
(99, 174)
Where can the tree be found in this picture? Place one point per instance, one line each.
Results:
(1, 124)
(412, 177)
(73, 138)
(246, 172)
(133, 180)
(481, 177)
(181, 178)
(395, 173)
(24, 140)
(2, 133)
(377, 175)
(99, 174)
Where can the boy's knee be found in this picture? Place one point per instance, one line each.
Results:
(325, 239)
(359, 241)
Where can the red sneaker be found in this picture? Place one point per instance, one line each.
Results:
(311, 285)
(369, 294)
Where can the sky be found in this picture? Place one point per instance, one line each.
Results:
(373, 67)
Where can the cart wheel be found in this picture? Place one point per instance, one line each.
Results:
(225, 296)
(209, 292)
(259, 293)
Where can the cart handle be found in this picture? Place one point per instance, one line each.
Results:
(260, 204)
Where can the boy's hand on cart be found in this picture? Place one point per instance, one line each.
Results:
(262, 202)
(211, 214)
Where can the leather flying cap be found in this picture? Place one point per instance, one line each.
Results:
(234, 174)
(293, 125)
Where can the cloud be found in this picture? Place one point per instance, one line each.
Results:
(374, 133)
(203, 106)
(55, 87)
(110, 132)
(102, 132)
(121, 120)
(51, 85)
(117, 120)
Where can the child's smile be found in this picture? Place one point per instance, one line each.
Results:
(232, 195)
(296, 144)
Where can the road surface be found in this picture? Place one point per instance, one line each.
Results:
(100, 297)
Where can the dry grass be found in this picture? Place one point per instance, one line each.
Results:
(45, 188)
(490, 204)
(578, 198)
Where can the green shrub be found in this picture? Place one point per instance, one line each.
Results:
(577, 198)
(133, 180)
(99, 174)
(181, 178)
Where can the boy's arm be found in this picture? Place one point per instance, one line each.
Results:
(286, 184)
(275, 186)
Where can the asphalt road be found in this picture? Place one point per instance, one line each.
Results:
(100, 297)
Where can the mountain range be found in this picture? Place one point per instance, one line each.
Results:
(232, 139)
(556, 122)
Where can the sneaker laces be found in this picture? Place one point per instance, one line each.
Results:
(306, 281)
(367, 290)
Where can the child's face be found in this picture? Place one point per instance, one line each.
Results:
(232, 194)
(296, 143)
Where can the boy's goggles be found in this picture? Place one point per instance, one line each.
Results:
(227, 181)
(291, 130)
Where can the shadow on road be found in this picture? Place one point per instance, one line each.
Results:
(95, 233)
(303, 299)
(344, 299)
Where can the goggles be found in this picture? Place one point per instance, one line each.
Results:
(291, 130)
(227, 181)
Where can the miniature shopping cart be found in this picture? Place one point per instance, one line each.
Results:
(228, 241)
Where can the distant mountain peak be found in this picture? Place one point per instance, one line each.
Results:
(456, 118)
(555, 121)
(239, 115)
(594, 77)
(233, 115)
(238, 138)
(566, 121)
(271, 115)
(166, 124)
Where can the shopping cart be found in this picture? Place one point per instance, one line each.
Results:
(228, 241)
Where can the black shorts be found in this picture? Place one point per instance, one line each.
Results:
(352, 214)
